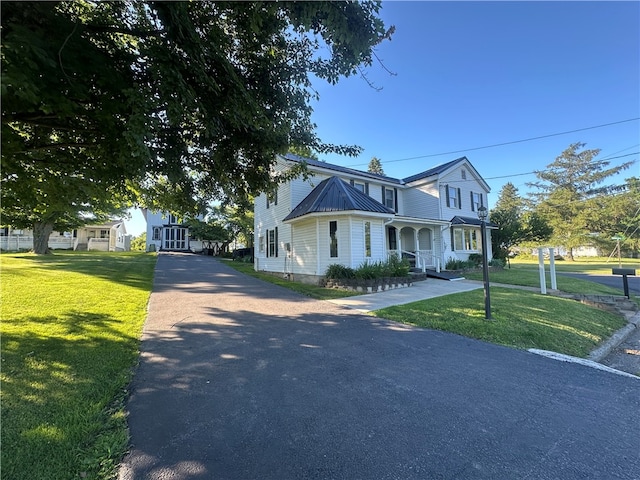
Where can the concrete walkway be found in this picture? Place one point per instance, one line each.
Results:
(418, 291)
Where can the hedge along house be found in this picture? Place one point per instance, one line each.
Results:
(345, 216)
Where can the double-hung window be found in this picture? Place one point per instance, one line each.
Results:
(476, 201)
(466, 239)
(453, 197)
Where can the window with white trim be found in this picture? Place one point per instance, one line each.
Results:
(453, 197)
(466, 239)
(261, 243)
(156, 233)
(476, 201)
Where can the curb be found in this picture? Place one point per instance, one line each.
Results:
(616, 339)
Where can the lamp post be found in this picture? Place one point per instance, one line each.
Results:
(482, 215)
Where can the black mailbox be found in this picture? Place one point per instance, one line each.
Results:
(624, 272)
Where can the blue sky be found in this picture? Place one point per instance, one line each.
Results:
(473, 74)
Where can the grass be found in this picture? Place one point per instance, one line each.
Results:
(521, 320)
(71, 324)
(313, 291)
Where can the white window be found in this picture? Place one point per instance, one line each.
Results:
(261, 243)
(453, 197)
(476, 201)
(359, 186)
(156, 233)
(466, 239)
(173, 220)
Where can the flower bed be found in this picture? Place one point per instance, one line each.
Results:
(368, 285)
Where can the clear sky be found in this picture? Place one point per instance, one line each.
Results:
(475, 74)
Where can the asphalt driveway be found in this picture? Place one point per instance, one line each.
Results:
(239, 379)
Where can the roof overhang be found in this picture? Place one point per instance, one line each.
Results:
(339, 213)
(408, 221)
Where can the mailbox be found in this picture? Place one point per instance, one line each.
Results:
(624, 272)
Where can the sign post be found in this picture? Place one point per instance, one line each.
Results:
(543, 280)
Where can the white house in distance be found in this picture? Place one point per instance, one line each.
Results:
(165, 231)
(107, 237)
(346, 216)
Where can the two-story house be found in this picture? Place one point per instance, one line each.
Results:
(346, 216)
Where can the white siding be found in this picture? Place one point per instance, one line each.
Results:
(344, 245)
(304, 248)
(422, 201)
(455, 180)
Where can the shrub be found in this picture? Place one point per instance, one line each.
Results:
(336, 271)
(475, 259)
(498, 262)
(369, 271)
(397, 266)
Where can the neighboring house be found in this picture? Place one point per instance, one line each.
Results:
(346, 216)
(168, 232)
(108, 237)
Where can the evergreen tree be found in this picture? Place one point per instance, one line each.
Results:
(566, 190)
(375, 166)
(516, 224)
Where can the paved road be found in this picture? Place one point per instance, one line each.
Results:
(243, 380)
(614, 281)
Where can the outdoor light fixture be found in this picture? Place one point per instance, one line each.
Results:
(482, 215)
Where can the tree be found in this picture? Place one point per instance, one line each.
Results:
(139, 242)
(516, 224)
(618, 215)
(186, 101)
(375, 166)
(305, 152)
(565, 191)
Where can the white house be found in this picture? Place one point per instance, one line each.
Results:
(346, 216)
(108, 237)
(165, 231)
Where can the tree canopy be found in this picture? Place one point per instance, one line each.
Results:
(568, 191)
(172, 104)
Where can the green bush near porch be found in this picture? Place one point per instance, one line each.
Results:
(393, 267)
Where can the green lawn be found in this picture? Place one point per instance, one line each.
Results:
(521, 320)
(525, 272)
(312, 291)
(71, 324)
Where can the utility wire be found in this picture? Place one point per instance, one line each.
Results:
(502, 144)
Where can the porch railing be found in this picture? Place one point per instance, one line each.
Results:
(423, 258)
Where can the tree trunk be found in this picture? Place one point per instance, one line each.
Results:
(570, 252)
(41, 232)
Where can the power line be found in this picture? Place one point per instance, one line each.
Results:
(537, 171)
(504, 143)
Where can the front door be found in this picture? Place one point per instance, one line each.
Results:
(175, 238)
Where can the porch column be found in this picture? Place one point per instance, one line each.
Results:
(399, 241)
(416, 239)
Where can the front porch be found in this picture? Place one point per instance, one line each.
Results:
(419, 240)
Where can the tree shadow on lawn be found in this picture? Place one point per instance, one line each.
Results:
(58, 392)
(130, 268)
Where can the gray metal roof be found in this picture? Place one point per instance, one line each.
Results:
(338, 168)
(335, 195)
(434, 171)
(458, 220)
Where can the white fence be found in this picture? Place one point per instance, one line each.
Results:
(21, 242)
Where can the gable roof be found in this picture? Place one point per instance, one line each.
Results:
(437, 170)
(335, 195)
(338, 168)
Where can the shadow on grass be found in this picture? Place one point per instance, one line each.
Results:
(62, 397)
(128, 268)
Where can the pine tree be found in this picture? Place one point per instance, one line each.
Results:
(375, 166)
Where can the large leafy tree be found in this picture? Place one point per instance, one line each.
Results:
(517, 224)
(566, 190)
(171, 104)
